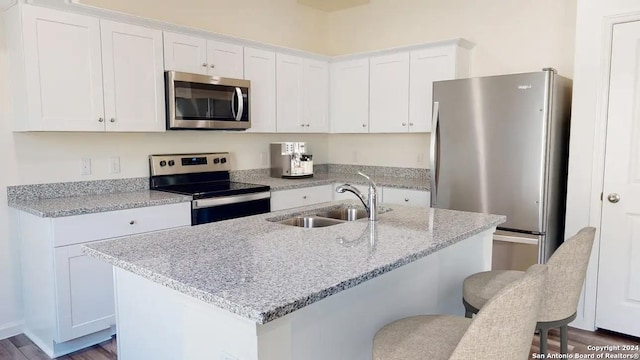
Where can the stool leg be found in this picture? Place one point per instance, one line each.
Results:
(543, 340)
(564, 341)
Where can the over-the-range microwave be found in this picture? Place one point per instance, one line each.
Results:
(205, 102)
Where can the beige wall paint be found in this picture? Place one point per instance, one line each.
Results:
(402, 150)
(510, 36)
(277, 22)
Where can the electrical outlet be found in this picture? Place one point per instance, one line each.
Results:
(85, 166)
(114, 165)
(263, 159)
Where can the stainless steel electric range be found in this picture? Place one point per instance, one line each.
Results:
(206, 178)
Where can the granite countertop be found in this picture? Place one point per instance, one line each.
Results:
(277, 184)
(78, 205)
(263, 270)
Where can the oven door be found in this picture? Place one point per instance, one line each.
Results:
(229, 207)
(206, 102)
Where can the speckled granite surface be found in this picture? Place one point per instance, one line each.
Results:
(79, 205)
(323, 179)
(76, 188)
(263, 270)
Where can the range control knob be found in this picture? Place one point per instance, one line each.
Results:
(163, 163)
(216, 161)
(223, 160)
(171, 162)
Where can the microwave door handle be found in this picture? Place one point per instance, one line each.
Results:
(240, 104)
(233, 105)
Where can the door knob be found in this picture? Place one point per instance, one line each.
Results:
(613, 198)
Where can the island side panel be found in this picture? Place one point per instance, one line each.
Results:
(155, 322)
(343, 325)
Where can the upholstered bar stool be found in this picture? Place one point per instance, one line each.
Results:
(492, 334)
(567, 269)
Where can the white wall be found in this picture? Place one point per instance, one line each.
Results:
(511, 36)
(587, 132)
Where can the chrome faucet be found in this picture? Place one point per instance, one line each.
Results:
(371, 204)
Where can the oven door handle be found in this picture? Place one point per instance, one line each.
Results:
(226, 200)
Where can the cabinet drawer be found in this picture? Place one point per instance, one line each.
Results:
(407, 197)
(286, 199)
(83, 228)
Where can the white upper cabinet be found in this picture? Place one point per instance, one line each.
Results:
(197, 55)
(185, 53)
(260, 69)
(63, 70)
(389, 93)
(315, 96)
(349, 92)
(289, 72)
(133, 77)
(225, 59)
(84, 74)
(427, 66)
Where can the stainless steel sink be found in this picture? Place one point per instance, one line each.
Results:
(311, 221)
(348, 214)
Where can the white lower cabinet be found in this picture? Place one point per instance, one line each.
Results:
(409, 197)
(286, 199)
(84, 293)
(68, 297)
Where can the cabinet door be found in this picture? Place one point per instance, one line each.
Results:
(185, 53)
(84, 293)
(389, 93)
(315, 97)
(260, 69)
(63, 68)
(349, 91)
(225, 60)
(133, 77)
(289, 93)
(408, 197)
(427, 66)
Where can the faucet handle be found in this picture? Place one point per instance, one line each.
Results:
(373, 184)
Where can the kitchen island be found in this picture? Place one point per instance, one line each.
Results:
(253, 288)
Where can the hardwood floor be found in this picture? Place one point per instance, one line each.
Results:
(21, 348)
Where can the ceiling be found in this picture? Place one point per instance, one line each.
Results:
(333, 5)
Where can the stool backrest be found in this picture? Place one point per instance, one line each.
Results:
(504, 327)
(567, 270)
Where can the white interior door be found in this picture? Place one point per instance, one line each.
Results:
(618, 299)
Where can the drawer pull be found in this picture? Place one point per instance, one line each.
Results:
(406, 199)
(132, 222)
(304, 197)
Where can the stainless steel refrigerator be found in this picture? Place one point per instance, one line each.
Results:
(500, 145)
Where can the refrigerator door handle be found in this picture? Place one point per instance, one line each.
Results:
(432, 154)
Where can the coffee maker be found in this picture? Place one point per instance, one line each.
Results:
(290, 160)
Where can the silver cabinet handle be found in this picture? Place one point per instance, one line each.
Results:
(410, 124)
(404, 124)
(100, 120)
(132, 222)
(432, 152)
(112, 120)
(613, 198)
(305, 197)
(302, 125)
(212, 66)
(364, 125)
(204, 64)
(308, 125)
(406, 199)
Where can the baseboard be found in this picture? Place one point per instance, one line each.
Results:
(11, 329)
